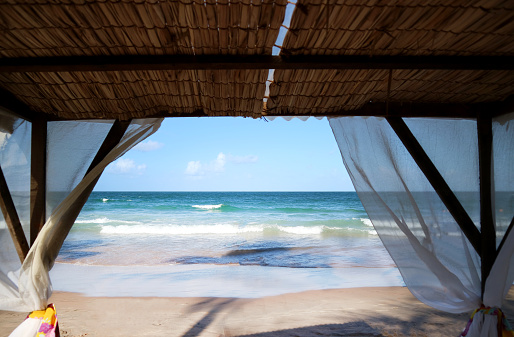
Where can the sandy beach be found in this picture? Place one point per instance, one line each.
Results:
(381, 311)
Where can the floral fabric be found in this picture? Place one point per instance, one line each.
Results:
(48, 317)
(503, 326)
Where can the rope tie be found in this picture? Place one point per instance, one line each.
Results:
(504, 328)
(48, 317)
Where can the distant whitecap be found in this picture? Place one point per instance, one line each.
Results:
(208, 206)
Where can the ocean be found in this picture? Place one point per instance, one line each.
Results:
(220, 243)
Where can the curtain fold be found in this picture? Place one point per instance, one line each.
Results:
(27, 287)
(437, 262)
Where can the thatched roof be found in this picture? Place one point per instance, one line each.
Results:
(80, 34)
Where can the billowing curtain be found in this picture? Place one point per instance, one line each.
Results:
(71, 147)
(15, 163)
(438, 264)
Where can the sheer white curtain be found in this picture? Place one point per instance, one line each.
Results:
(437, 262)
(71, 146)
(15, 163)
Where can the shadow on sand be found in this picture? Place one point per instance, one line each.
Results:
(360, 329)
(217, 305)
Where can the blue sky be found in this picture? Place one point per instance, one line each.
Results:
(232, 154)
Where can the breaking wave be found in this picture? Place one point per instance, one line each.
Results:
(221, 229)
(208, 206)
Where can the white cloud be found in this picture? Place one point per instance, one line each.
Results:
(126, 166)
(198, 169)
(218, 165)
(194, 168)
(148, 146)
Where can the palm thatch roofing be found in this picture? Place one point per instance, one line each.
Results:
(123, 59)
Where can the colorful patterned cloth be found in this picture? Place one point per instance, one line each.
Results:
(49, 326)
(504, 328)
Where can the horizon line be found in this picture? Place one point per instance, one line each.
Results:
(219, 191)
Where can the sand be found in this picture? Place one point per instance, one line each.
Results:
(385, 311)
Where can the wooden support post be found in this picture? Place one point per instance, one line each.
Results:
(38, 178)
(437, 181)
(487, 226)
(12, 220)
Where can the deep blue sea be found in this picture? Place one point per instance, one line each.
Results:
(269, 229)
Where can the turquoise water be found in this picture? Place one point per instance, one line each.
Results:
(267, 229)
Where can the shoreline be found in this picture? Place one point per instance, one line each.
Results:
(381, 311)
(202, 280)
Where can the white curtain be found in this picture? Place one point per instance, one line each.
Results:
(437, 262)
(15, 163)
(71, 146)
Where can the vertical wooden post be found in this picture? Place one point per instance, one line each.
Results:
(38, 178)
(487, 226)
(12, 220)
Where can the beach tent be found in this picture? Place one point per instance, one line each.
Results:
(418, 95)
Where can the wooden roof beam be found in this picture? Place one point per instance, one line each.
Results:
(396, 109)
(17, 107)
(223, 62)
(413, 109)
(501, 108)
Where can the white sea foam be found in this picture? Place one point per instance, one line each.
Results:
(105, 220)
(219, 229)
(208, 206)
(370, 231)
(302, 230)
(97, 220)
(366, 221)
(105, 199)
(180, 229)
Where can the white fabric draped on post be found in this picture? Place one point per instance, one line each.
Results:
(71, 147)
(438, 263)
